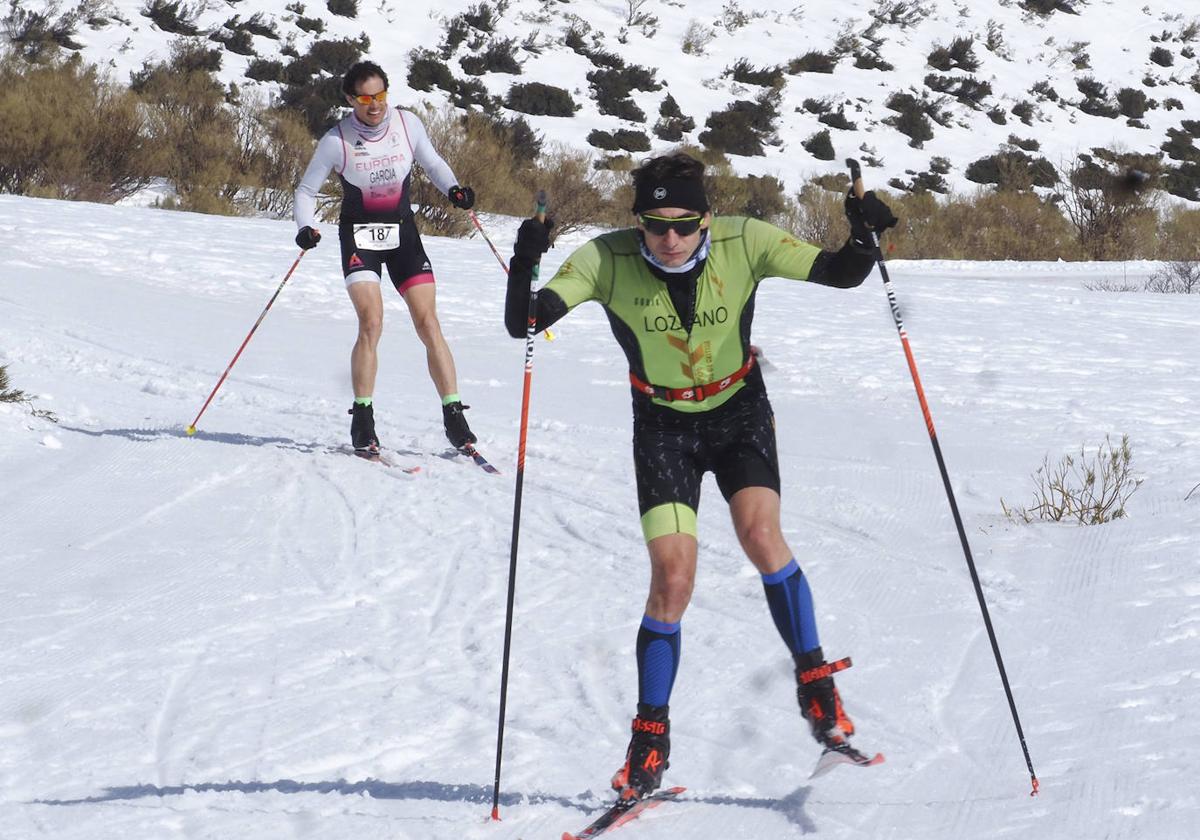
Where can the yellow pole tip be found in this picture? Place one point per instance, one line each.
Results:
(191, 430)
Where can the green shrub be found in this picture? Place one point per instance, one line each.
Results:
(317, 101)
(426, 71)
(837, 119)
(265, 70)
(1134, 103)
(867, 60)
(499, 57)
(540, 99)
(620, 140)
(911, 119)
(672, 123)
(235, 40)
(742, 127)
(471, 93)
(965, 89)
(343, 8)
(1162, 57)
(745, 73)
(482, 17)
(172, 16)
(602, 140)
(336, 56)
(820, 146)
(1024, 111)
(812, 62)
(1095, 98)
(1048, 7)
(1012, 170)
(39, 36)
(313, 25)
(959, 55)
(611, 88)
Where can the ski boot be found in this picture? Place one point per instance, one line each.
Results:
(820, 703)
(362, 429)
(646, 758)
(457, 431)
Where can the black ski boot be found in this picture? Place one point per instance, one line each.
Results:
(646, 758)
(362, 428)
(457, 431)
(820, 703)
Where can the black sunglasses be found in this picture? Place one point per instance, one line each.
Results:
(659, 225)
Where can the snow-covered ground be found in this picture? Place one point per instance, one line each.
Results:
(247, 635)
(1033, 60)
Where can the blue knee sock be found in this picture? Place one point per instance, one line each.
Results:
(791, 605)
(658, 661)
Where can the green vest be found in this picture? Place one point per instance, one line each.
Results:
(611, 270)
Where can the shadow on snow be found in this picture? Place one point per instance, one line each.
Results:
(791, 807)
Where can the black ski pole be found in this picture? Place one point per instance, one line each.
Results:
(856, 178)
(540, 214)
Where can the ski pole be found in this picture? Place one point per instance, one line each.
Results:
(856, 178)
(191, 430)
(483, 233)
(540, 215)
(548, 335)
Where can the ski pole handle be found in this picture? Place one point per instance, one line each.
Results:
(856, 177)
(540, 211)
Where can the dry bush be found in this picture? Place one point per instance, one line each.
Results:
(1179, 235)
(479, 160)
(1113, 216)
(1004, 226)
(1091, 489)
(1178, 277)
(578, 194)
(274, 146)
(97, 148)
(189, 118)
(914, 237)
(817, 215)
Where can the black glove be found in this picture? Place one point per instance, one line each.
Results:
(308, 237)
(533, 240)
(461, 197)
(867, 214)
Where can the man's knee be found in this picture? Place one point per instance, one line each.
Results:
(370, 327)
(760, 537)
(429, 330)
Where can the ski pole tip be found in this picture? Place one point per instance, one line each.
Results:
(191, 430)
(496, 813)
(1034, 791)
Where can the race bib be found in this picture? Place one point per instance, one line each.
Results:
(377, 237)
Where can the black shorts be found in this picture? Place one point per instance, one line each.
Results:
(407, 264)
(672, 451)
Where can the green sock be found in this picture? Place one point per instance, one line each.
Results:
(451, 398)
(362, 400)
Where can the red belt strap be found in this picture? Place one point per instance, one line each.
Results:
(697, 393)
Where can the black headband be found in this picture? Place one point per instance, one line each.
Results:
(685, 193)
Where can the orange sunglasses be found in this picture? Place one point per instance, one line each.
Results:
(368, 98)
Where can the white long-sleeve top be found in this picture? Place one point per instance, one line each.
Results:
(374, 166)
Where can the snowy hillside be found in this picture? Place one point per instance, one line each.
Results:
(247, 634)
(884, 78)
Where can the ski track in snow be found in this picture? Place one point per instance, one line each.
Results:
(249, 633)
